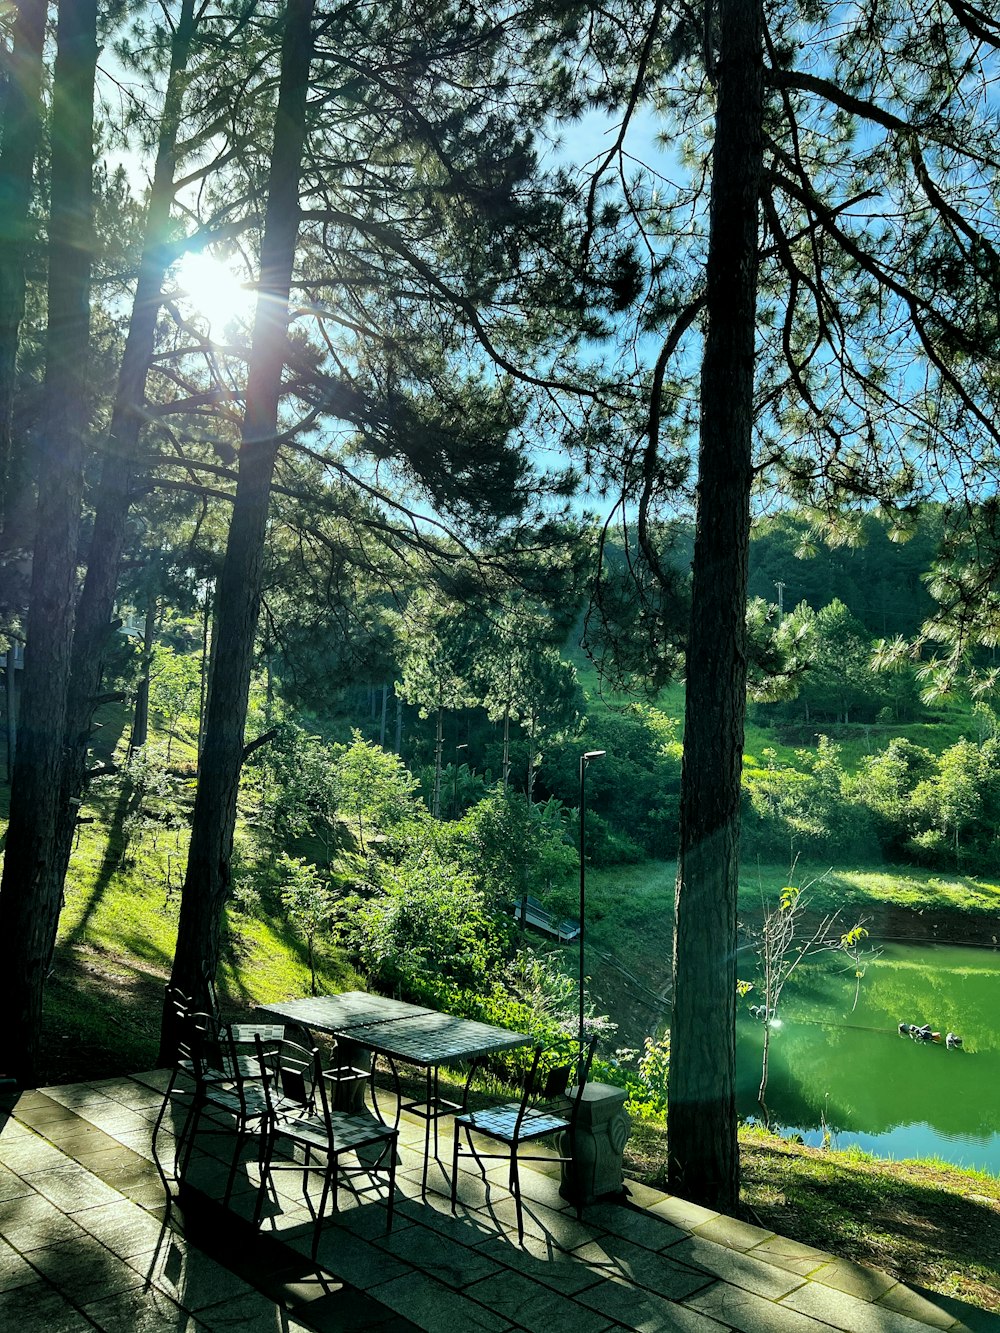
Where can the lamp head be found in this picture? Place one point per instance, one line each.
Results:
(593, 754)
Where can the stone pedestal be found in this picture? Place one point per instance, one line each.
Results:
(351, 1095)
(602, 1130)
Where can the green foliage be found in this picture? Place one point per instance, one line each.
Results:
(424, 920)
(298, 789)
(514, 847)
(374, 788)
(174, 681)
(633, 789)
(308, 901)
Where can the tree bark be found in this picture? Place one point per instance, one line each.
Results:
(702, 1122)
(22, 113)
(93, 628)
(140, 713)
(207, 879)
(29, 901)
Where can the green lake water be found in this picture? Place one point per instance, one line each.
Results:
(848, 1069)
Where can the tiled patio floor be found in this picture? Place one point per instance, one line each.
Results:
(87, 1241)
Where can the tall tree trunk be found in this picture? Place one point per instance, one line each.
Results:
(22, 112)
(140, 716)
(702, 1121)
(207, 641)
(29, 900)
(438, 756)
(15, 663)
(206, 882)
(94, 626)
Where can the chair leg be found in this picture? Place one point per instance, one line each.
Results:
(392, 1187)
(329, 1187)
(454, 1169)
(515, 1189)
(188, 1132)
(241, 1138)
(264, 1161)
(168, 1093)
(306, 1159)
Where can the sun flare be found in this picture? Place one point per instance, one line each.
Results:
(215, 289)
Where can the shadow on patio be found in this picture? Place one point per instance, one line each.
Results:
(88, 1241)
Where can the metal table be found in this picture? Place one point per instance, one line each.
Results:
(335, 1014)
(402, 1032)
(430, 1040)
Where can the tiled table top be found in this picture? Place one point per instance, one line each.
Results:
(339, 1013)
(436, 1039)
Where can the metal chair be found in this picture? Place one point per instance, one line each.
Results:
(234, 1062)
(183, 1067)
(289, 1069)
(226, 1082)
(545, 1109)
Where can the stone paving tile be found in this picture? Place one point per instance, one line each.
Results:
(153, 1078)
(918, 1305)
(130, 1093)
(12, 1130)
(83, 1270)
(14, 1270)
(543, 1262)
(633, 1265)
(536, 1307)
(791, 1254)
(847, 1312)
(77, 1136)
(866, 1283)
(445, 1259)
(332, 1307)
(747, 1313)
(681, 1213)
(968, 1318)
(12, 1186)
(140, 1310)
(71, 1188)
(29, 1154)
(732, 1232)
(124, 1227)
(544, 1223)
(117, 1120)
(642, 1196)
(436, 1308)
(634, 1224)
(47, 1115)
(356, 1261)
(742, 1270)
(185, 1273)
(543, 1188)
(617, 1260)
(33, 1222)
(40, 1309)
(645, 1311)
(80, 1097)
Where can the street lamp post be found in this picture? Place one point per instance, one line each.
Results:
(454, 785)
(584, 761)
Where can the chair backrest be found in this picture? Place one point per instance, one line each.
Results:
(209, 1044)
(588, 1060)
(289, 1071)
(529, 1090)
(176, 999)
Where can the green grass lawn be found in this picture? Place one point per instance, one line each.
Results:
(622, 900)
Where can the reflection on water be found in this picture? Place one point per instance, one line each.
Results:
(850, 1071)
